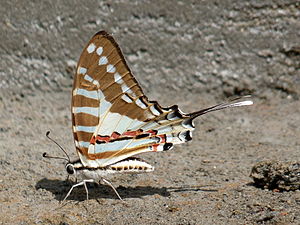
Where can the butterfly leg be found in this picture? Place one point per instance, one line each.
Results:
(110, 184)
(78, 184)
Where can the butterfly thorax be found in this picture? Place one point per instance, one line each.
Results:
(129, 165)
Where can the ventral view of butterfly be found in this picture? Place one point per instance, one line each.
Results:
(113, 120)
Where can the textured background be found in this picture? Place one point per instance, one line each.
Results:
(191, 53)
(204, 46)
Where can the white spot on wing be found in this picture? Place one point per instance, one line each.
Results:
(91, 48)
(84, 144)
(88, 129)
(99, 50)
(103, 60)
(88, 78)
(160, 148)
(100, 94)
(95, 82)
(88, 110)
(169, 138)
(154, 110)
(124, 87)
(91, 151)
(129, 91)
(81, 70)
(187, 124)
(182, 136)
(126, 99)
(172, 116)
(85, 93)
(118, 78)
(140, 104)
(110, 68)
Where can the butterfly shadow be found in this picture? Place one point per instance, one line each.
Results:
(60, 188)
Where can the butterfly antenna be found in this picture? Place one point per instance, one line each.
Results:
(45, 155)
(55, 157)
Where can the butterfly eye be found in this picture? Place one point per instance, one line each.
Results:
(70, 169)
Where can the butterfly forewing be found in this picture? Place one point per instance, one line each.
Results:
(112, 118)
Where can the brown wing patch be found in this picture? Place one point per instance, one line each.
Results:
(81, 101)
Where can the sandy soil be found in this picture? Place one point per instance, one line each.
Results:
(194, 55)
(205, 181)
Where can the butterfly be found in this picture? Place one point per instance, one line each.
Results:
(113, 120)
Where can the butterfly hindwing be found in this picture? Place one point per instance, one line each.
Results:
(158, 134)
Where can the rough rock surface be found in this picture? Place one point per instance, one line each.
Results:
(283, 176)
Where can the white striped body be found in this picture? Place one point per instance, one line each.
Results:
(129, 165)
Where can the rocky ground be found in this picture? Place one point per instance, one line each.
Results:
(194, 54)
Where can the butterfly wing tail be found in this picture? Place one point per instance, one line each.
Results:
(158, 134)
(237, 102)
(175, 127)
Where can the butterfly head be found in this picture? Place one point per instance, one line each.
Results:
(70, 168)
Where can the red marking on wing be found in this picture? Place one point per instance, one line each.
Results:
(163, 138)
(152, 132)
(132, 133)
(103, 138)
(115, 135)
(93, 140)
(154, 147)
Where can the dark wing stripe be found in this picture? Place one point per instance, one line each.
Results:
(82, 101)
(86, 137)
(86, 119)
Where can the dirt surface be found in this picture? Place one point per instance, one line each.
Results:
(194, 54)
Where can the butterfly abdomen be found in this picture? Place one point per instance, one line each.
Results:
(129, 165)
